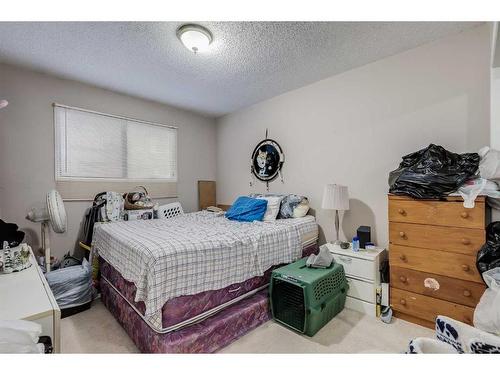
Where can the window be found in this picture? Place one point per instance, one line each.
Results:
(98, 148)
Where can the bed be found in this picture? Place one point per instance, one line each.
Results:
(196, 282)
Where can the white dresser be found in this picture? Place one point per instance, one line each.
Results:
(362, 273)
(26, 295)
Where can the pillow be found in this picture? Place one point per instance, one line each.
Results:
(247, 209)
(288, 204)
(273, 207)
(301, 209)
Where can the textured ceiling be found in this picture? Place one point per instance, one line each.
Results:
(247, 62)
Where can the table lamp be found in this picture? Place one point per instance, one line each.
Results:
(336, 197)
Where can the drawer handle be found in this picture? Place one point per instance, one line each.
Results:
(465, 241)
(345, 259)
(467, 293)
(402, 234)
(403, 279)
(403, 301)
(401, 211)
(402, 257)
(465, 267)
(465, 215)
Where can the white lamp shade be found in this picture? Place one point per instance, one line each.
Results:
(335, 197)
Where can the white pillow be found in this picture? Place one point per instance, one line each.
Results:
(273, 208)
(301, 209)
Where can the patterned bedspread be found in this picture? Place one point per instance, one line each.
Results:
(195, 252)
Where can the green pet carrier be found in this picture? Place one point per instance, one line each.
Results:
(305, 299)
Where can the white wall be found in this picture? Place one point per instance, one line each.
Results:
(27, 144)
(354, 127)
(495, 108)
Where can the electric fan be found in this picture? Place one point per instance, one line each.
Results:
(54, 213)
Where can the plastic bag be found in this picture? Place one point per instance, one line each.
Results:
(489, 167)
(72, 286)
(488, 256)
(472, 188)
(487, 313)
(432, 172)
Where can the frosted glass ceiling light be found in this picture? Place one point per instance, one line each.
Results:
(195, 38)
(3, 103)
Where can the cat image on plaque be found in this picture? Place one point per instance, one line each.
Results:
(267, 160)
(262, 163)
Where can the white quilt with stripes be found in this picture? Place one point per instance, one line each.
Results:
(195, 252)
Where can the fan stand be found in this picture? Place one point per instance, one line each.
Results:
(46, 244)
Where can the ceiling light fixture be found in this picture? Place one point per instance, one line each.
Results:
(195, 38)
(3, 103)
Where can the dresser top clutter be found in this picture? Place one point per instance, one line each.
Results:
(432, 256)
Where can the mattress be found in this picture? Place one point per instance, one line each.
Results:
(262, 239)
(186, 310)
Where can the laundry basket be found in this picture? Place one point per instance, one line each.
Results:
(170, 210)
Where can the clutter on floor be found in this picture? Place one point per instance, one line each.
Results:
(487, 313)
(72, 287)
(488, 257)
(455, 337)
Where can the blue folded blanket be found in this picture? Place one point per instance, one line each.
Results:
(247, 209)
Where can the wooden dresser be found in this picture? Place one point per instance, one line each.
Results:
(432, 257)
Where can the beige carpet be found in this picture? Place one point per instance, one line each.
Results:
(96, 331)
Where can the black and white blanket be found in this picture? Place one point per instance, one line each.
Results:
(196, 252)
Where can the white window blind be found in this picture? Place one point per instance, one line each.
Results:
(96, 147)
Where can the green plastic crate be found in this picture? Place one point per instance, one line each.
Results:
(305, 299)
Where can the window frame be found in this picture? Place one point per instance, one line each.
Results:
(85, 188)
(126, 180)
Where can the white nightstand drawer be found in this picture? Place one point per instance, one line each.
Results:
(356, 267)
(361, 306)
(362, 290)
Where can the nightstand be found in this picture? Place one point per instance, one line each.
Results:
(363, 275)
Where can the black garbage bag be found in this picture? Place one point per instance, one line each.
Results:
(432, 172)
(488, 256)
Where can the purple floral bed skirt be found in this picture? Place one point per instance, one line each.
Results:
(208, 336)
(183, 308)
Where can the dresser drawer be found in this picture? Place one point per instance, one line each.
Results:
(428, 308)
(459, 291)
(362, 290)
(356, 267)
(436, 262)
(456, 240)
(431, 212)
